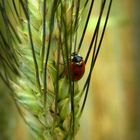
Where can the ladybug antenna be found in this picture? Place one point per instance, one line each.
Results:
(74, 53)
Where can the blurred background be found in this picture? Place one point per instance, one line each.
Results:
(112, 110)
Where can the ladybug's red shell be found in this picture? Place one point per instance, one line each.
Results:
(77, 70)
(77, 67)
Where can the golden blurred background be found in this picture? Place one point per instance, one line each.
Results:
(112, 111)
(112, 108)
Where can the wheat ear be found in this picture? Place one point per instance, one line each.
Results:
(37, 38)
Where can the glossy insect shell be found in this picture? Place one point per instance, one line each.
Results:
(77, 67)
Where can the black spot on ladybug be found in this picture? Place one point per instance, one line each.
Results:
(76, 74)
(80, 65)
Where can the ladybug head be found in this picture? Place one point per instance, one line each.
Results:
(76, 58)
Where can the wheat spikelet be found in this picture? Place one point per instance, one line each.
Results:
(41, 35)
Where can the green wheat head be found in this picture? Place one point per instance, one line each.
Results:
(37, 38)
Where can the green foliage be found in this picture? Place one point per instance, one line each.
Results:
(37, 40)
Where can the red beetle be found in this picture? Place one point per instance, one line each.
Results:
(77, 67)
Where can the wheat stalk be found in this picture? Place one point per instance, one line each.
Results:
(37, 40)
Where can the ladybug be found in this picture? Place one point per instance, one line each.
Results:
(77, 67)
